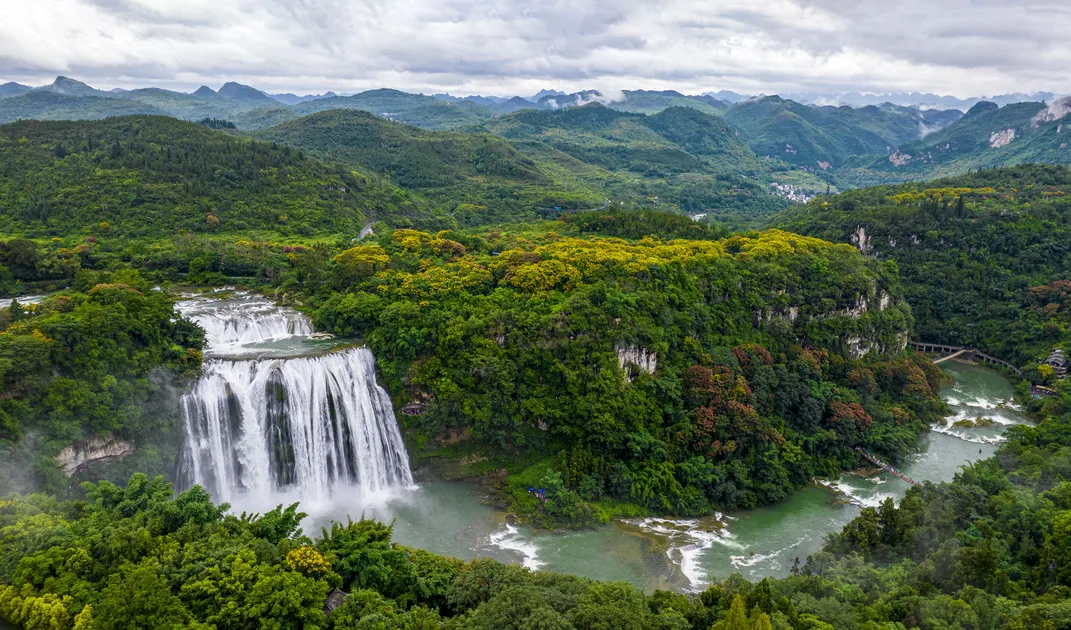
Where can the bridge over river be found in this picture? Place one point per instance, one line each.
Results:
(873, 459)
(961, 351)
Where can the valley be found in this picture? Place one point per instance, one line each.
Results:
(452, 361)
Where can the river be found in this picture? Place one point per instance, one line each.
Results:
(256, 347)
(684, 554)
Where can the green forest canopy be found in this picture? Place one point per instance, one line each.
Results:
(533, 344)
(989, 551)
(155, 176)
(983, 258)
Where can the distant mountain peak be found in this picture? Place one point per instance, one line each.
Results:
(205, 92)
(237, 91)
(293, 99)
(982, 107)
(71, 87)
(544, 93)
(13, 89)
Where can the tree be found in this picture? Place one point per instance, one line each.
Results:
(738, 619)
(138, 597)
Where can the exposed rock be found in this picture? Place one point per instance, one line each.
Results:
(78, 456)
(899, 159)
(1055, 111)
(1001, 138)
(861, 306)
(320, 336)
(790, 314)
(634, 356)
(860, 239)
(886, 300)
(859, 347)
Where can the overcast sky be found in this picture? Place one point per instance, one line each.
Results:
(958, 47)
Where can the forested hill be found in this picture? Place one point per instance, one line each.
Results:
(44, 105)
(477, 177)
(672, 376)
(416, 109)
(147, 175)
(825, 138)
(679, 157)
(531, 161)
(984, 258)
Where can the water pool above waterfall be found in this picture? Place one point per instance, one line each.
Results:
(276, 417)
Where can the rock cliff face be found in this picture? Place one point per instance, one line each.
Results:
(859, 347)
(860, 337)
(641, 358)
(860, 239)
(80, 455)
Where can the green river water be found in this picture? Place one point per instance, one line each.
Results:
(683, 554)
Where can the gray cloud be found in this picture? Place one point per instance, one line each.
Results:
(962, 47)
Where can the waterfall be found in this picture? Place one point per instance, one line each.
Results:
(299, 424)
(242, 320)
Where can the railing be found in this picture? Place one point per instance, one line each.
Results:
(892, 471)
(922, 346)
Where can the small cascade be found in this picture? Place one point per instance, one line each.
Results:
(243, 319)
(297, 424)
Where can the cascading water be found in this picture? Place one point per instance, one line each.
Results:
(286, 421)
(242, 320)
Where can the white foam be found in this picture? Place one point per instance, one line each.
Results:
(967, 437)
(854, 496)
(242, 319)
(750, 560)
(688, 543)
(511, 539)
(23, 300)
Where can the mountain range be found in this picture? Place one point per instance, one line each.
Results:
(721, 155)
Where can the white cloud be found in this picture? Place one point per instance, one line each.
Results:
(962, 47)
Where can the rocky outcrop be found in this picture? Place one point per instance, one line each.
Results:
(80, 455)
(790, 314)
(1056, 110)
(860, 239)
(857, 310)
(899, 159)
(859, 347)
(635, 357)
(1001, 138)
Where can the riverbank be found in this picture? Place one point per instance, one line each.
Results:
(455, 518)
(460, 519)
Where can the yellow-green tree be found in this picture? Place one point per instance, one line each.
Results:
(738, 618)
